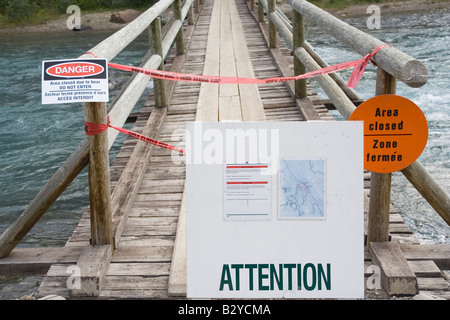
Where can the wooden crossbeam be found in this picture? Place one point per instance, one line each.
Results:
(396, 275)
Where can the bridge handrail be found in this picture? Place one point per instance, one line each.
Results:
(118, 111)
(397, 63)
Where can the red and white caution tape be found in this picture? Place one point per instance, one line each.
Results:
(93, 129)
(358, 65)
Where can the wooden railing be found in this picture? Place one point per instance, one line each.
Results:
(94, 150)
(392, 64)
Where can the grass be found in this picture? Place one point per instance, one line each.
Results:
(41, 16)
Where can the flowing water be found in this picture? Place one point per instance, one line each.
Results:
(35, 139)
(426, 37)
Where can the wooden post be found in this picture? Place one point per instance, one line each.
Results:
(179, 40)
(156, 44)
(380, 183)
(260, 11)
(272, 30)
(191, 15)
(298, 37)
(99, 180)
(196, 6)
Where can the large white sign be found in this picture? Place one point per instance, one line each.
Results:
(291, 226)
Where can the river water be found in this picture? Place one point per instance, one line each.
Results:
(426, 37)
(36, 139)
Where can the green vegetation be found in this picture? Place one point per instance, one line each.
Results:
(36, 11)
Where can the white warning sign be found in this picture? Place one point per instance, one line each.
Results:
(69, 81)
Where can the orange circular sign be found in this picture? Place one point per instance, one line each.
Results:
(395, 132)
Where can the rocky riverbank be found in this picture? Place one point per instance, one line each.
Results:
(107, 20)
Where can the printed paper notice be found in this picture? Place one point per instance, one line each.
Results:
(69, 81)
(247, 192)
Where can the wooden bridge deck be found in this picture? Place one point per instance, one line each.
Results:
(149, 249)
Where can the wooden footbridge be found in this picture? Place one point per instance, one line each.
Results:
(130, 243)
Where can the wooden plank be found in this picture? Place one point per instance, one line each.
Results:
(93, 264)
(148, 269)
(23, 261)
(143, 254)
(177, 277)
(433, 295)
(229, 101)
(165, 241)
(396, 276)
(229, 106)
(135, 283)
(432, 284)
(133, 174)
(172, 211)
(56, 281)
(126, 190)
(424, 268)
(227, 56)
(439, 253)
(251, 105)
(207, 108)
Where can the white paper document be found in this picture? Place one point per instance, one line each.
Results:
(247, 191)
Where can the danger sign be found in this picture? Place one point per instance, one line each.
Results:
(395, 132)
(75, 69)
(68, 81)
